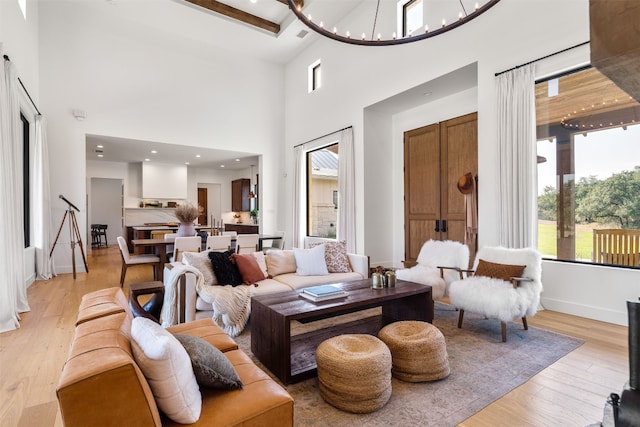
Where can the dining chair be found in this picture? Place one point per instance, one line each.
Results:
(275, 243)
(219, 243)
(169, 237)
(247, 243)
(129, 260)
(233, 235)
(183, 244)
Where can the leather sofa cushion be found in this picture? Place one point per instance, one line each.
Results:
(261, 402)
(208, 331)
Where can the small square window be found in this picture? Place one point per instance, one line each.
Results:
(315, 76)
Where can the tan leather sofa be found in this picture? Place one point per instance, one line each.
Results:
(101, 384)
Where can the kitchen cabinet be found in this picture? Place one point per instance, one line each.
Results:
(242, 228)
(240, 189)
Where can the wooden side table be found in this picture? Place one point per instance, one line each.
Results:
(150, 310)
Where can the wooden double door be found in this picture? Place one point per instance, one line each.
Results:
(435, 157)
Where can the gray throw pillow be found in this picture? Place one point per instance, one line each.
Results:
(210, 365)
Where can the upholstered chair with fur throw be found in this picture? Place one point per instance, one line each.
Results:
(506, 285)
(435, 254)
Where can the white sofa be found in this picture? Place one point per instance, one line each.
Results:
(192, 307)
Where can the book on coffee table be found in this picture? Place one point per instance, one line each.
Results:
(322, 293)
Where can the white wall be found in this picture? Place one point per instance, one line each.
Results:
(106, 208)
(137, 82)
(511, 33)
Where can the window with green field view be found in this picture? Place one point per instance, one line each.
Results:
(588, 133)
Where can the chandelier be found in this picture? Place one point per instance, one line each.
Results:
(400, 35)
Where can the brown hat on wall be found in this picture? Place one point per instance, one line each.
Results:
(465, 183)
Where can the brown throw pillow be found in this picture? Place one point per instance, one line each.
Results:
(249, 268)
(499, 271)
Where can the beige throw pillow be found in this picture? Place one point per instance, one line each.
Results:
(262, 262)
(280, 262)
(201, 261)
(167, 368)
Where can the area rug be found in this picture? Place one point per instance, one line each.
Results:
(482, 370)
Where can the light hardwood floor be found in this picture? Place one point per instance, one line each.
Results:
(571, 392)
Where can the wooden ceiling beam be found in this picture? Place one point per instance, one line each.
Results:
(237, 14)
(615, 42)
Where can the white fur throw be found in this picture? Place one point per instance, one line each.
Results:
(231, 305)
(496, 298)
(434, 254)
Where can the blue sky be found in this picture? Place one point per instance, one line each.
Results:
(600, 153)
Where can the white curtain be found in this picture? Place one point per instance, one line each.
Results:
(299, 198)
(13, 291)
(346, 191)
(517, 215)
(42, 202)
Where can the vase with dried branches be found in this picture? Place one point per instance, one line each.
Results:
(186, 213)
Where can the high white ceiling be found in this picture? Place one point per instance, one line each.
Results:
(195, 25)
(123, 150)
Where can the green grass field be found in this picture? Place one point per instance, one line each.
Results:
(547, 237)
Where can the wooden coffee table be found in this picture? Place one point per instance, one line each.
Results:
(292, 359)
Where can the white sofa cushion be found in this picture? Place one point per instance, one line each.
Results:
(295, 281)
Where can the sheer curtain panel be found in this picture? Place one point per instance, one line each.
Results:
(13, 292)
(299, 198)
(517, 214)
(42, 202)
(346, 191)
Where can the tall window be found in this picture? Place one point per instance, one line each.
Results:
(26, 183)
(588, 134)
(322, 190)
(412, 16)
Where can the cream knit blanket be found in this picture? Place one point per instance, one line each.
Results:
(169, 313)
(231, 305)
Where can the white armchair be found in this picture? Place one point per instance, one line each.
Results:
(435, 254)
(506, 285)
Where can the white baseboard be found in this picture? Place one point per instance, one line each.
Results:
(589, 312)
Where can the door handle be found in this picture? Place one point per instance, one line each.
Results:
(444, 225)
(437, 226)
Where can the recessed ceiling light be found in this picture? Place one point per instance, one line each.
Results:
(99, 146)
(100, 155)
(254, 1)
(154, 152)
(147, 160)
(237, 160)
(186, 163)
(197, 156)
(221, 166)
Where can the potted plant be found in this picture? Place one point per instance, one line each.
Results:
(254, 215)
(186, 213)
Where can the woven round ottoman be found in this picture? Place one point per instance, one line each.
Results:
(418, 350)
(354, 372)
